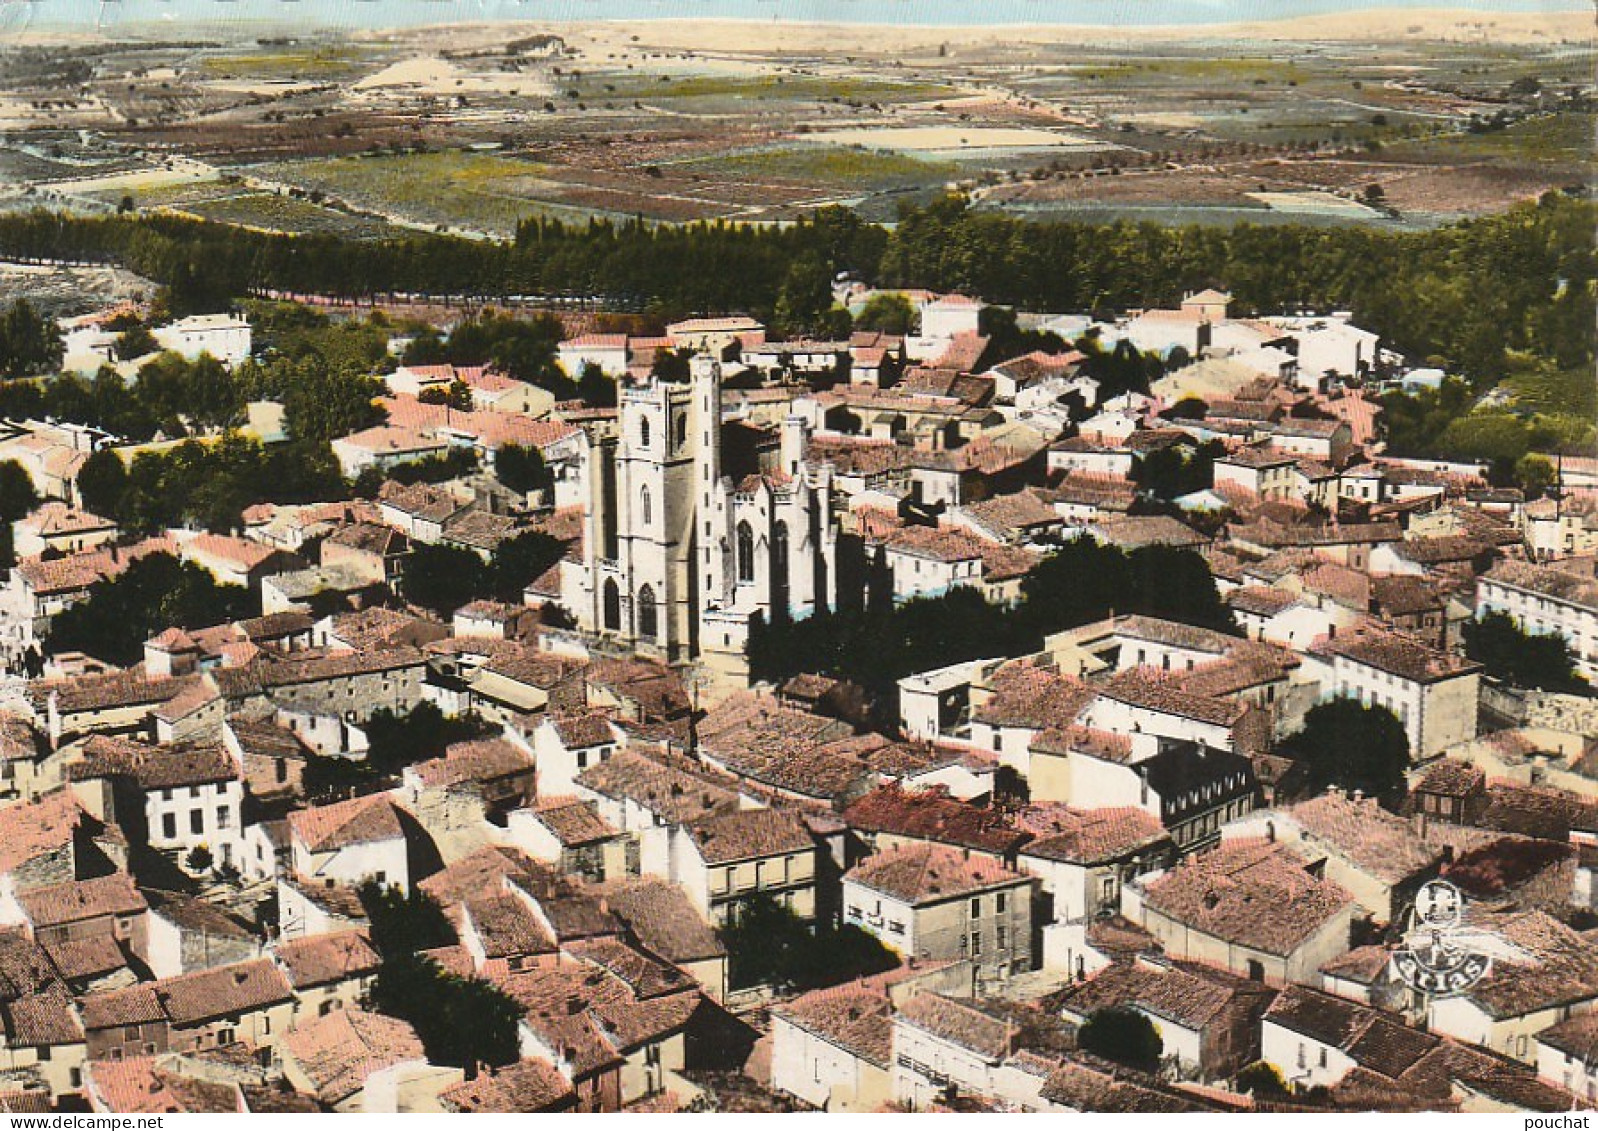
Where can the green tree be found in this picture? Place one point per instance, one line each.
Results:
(1535, 475)
(595, 388)
(887, 313)
(135, 341)
(1124, 1035)
(155, 593)
(1357, 747)
(457, 396)
(767, 944)
(30, 344)
(17, 499)
(102, 481)
(1263, 1080)
(443, 578)
(401, 740)
(804, 298)
(17, 496)
(403, 923)
(521, 469)
(1524, 659)
(520, 561)
(464, 1022)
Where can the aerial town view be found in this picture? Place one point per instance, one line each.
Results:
(736, 556)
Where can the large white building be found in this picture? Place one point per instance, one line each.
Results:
(1544, 600)
(223, 336)
(680, 555)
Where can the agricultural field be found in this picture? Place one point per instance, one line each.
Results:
(477, 131)
(271, 212)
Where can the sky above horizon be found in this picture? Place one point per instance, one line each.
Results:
(16, 15)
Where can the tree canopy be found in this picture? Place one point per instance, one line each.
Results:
(1470, 295)
(153, 594)
(767, 944)
(1080, 582)
(1357, 747)
(30, 344)
(1525, 659)
(465, 1022)
(1124, 1035)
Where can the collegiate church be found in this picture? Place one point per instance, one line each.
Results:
(694, 526)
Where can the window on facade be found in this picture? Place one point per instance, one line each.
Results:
(648, 615)
(1003, 938)
(223, 817)
(169, 826)
(976, 943)
(1000, 902)
(746, 552)
(976, 907)
(645, 509)
(612, 603)
(643, 433)
(196, 821)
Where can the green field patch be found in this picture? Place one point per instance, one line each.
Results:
(322, 63)
(828, 166)
(1565, 136)
(750, 88)
(274, 213)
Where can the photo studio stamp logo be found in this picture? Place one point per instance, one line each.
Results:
(1437, 957)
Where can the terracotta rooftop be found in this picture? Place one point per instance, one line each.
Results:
(930, 873)
(1374, 840)
(659, 914)
(855, 1019)
(1090, 836)
(38, 828)
(143, 1085)
(934, 816)
(474, 762)
(1193, 997)
(961, 1023)
(1026, 694)
(1252, 893)
(748, 834)
(318, 960)
(524, 1087)
(79, 900)
(1402, 656)
(339, 1051)
(360, 820)
(222, 992)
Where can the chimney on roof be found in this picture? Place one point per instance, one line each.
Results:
(574, 1005)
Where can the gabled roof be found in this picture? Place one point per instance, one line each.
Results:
(339, 1051)
(933, 816)
(748, 834)
(318, 960)
(930, 873)
(1253, 893)
(855, 1019)
(360, 820)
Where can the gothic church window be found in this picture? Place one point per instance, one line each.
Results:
(746, 552)
(648, 618)
(644, 508)
(612, 605)
(643, 433)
